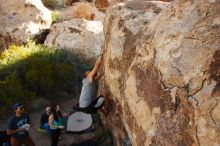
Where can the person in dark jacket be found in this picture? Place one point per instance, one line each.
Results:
(44, 127)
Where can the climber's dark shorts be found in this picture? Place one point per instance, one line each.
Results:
(95, 105)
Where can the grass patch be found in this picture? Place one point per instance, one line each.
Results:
(55, 15)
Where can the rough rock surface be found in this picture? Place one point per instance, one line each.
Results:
(81, 10)
(67, 3)
(84, 38)
(21, 20)
(103, 4)
(162, 73)
(100, 4)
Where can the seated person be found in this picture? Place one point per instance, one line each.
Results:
(44, 127)
(89, 90)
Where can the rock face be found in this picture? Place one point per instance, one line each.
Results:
(100, 4)
(81, 10)
(71, 2)
(162, 73)
(22, 19)
(103, 4)
(84, 38)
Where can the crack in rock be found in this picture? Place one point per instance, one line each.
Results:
(211, 110)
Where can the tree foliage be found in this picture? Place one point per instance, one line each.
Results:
(31, 71)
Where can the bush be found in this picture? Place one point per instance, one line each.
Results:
(55, 15)
(31, 71)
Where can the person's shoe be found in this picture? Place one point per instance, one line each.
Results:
(76, 107)
(93, 128)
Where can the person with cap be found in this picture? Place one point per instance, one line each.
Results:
(18, 126)
(87, 103)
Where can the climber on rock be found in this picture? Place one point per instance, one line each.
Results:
(87, 103)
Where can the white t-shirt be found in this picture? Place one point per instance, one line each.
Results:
(88, 92)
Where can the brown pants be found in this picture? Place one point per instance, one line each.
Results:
(27, 141)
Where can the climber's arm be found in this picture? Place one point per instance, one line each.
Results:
(92, 73)
(98, 77)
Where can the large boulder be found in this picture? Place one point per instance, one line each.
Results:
(162, 73)
(83, 38)
(22, 20)
(130, 116)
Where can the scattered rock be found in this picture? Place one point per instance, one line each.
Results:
(22, 20)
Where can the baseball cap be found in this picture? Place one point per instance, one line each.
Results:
(17, 105)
